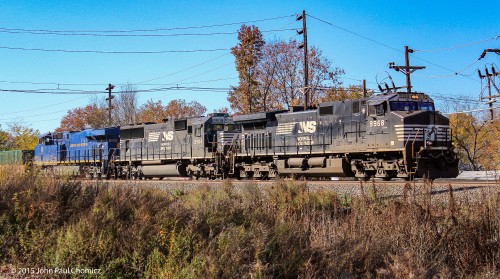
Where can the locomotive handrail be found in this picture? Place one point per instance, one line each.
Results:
(407, 139)
(413, 144)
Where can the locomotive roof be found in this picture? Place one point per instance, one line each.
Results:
(270, 115)
(200, 120)
(399, 96)
(91, 132)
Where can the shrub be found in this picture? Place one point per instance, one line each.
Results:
(281, 231)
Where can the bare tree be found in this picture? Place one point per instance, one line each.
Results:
(280, 77)
(125, 106)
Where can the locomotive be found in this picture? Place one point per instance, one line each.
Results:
(391, 135)
(86, 152)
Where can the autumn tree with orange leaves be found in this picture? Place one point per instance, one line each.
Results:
(248, 53)
(344, 93)
(157, 112)
(90, 116)
(475, 136)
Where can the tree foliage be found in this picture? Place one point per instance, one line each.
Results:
(156, 111)
(343, 93)
(248, 54)
(272, 74)
(477, 141)
(5, 139)
(475, 136)
(90, 116)
(18, 137)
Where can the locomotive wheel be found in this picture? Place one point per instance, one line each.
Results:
(366, 178)
(248, 175)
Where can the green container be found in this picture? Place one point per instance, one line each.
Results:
(15, 157)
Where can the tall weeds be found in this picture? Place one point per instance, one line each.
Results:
(280, 231)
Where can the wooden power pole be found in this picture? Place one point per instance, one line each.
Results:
(110, 106)
(406, 69)
(306, 62)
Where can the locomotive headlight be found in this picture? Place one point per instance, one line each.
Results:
(429, 142)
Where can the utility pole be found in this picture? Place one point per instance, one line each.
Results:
(365, 93)
(406, 69)
(490, 82)
(110, 107)
(306, 62)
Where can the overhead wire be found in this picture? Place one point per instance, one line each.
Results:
(112, 52)
(388, 46)
(208, 71)
(150, 30)
(475, 110)
(133, 35)
(145, 81)
(44, 107)
(104, 83)
(453, 74)
(457, 46)
(183, 70)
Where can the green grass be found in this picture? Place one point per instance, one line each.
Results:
(282, 231)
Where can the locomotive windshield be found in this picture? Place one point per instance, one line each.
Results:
(226, 127)
(229, 127)
(411, 106)
(218, 127)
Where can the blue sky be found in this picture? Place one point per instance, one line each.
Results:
(422, 25)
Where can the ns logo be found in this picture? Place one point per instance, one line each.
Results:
(168, 135)
(165, 136)
(306, 127)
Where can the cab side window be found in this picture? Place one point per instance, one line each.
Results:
(380, 109)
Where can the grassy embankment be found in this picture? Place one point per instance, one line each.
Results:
(283, 231)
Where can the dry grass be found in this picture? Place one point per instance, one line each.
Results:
(283, 231)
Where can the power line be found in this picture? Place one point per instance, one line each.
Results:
(475, 110)
(197, 65)
(50, 91)
(357, 34)
(34, 121)
(356, 79)
(453, 74)
(112, 52)
(458, 46)
(183, 70)
(101, 83)
(80, 92)
(30, 116)
(390, 47)
(146, 30)
(44, 107)
(133, 35)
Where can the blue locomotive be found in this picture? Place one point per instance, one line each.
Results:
(87, 152)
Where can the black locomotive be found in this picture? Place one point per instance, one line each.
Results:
(398, 135)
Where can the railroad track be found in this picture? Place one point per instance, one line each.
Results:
(438, 189)
(417, 182)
